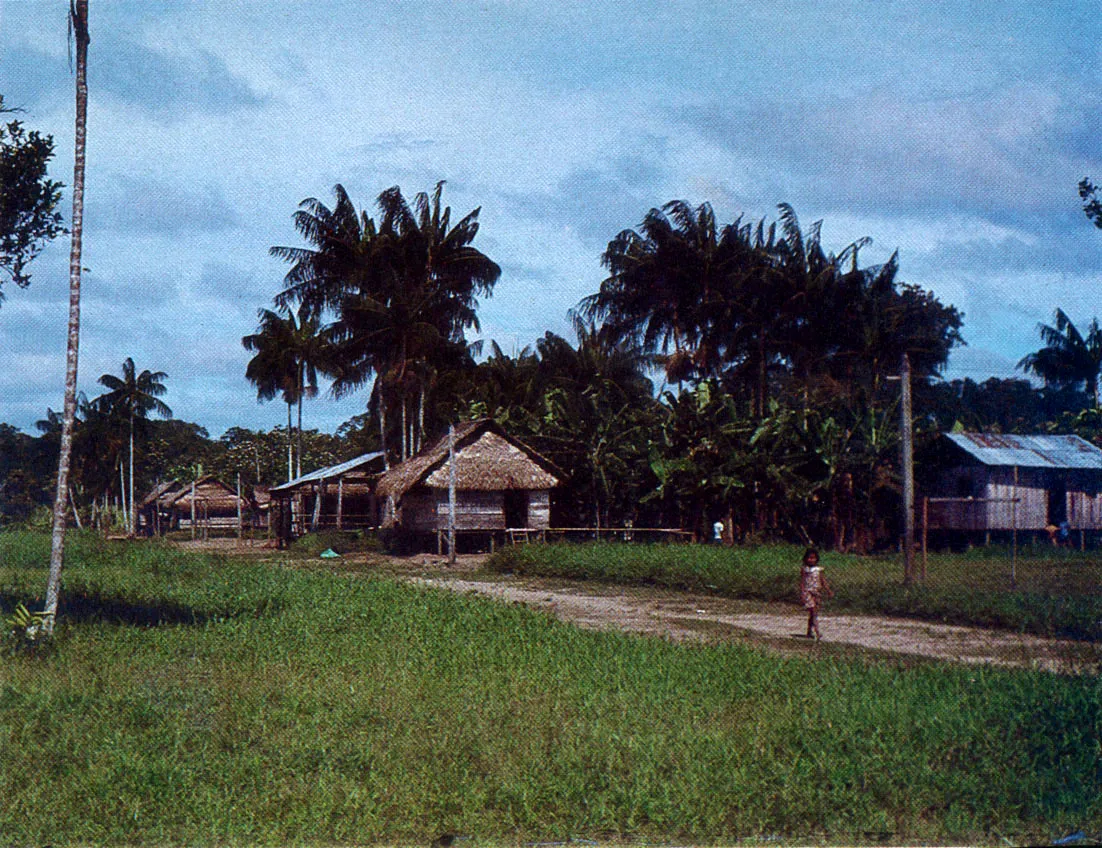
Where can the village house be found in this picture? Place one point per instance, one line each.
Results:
(206, 503)
(502, 486)
(992, 482)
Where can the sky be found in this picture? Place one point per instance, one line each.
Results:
(953, 132)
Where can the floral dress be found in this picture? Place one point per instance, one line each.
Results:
(811, 586)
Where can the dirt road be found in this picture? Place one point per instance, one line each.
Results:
(684, 616)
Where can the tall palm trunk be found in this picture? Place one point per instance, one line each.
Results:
(131, 522)
(405, 429)
(421, 420)
(78, 18)
(290, 448)
(298, 438)
(382, 432)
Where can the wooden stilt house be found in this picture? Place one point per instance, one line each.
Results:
(986, 481)
(501, 485)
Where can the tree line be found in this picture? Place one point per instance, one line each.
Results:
(737, 371)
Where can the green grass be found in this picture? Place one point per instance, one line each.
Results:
(298, 707)
(1056, 595)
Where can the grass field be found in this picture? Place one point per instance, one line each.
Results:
(1059, 593)
(192, 699)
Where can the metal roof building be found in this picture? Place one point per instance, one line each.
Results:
(992, 481)
(339, 496)
(1029, 451)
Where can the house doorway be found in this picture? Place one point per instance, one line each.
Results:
(1057, 490)
(516, 508)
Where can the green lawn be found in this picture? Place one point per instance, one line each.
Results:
(281, 706)
(1057, 593)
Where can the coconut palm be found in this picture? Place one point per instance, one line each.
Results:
(662, 285)
(1068, 359)
(132, 397)
(343, 258)
(78, 27)
(403, 293)
(291, 350)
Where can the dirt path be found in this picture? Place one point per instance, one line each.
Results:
(684, 616)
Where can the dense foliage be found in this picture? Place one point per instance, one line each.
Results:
(739, 373)
(28, 199)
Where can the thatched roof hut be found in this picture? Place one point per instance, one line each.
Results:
(501, 483)
(488, 460)
(169, 505)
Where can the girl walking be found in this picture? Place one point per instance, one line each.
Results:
(813, 587)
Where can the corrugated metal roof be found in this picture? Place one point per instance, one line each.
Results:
(330, 472)
(1029, 451)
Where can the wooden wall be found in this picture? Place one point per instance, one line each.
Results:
(1031, 512)
(426, 510)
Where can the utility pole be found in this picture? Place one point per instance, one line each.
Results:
(239, 507)
(907, 432)
(451, 494)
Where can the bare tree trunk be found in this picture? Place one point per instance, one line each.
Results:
(298, 437)
(131, 525)
(76, 512)
(405, 430)
(421, 421)
(78, 17)
(290, 449)
(122, 493)
(382, 431)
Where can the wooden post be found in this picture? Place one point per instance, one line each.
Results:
(319, 491)
(1014, 533)
(192, 509)
(340, 501)
(239, 527)
(451, 493)
(908, 473)
(925, 534)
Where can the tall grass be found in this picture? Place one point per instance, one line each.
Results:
(311, 709)
(1057, 596)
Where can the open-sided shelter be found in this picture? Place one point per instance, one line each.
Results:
(501, 484)
(987, 481)
(339, 496)
(177, 504)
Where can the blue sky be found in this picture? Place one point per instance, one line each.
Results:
(954, 132)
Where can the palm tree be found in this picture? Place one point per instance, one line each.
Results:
(133, 397)
(1068, 359)
(78, 27)
(403, 293)
(662, 283)
(290, 352)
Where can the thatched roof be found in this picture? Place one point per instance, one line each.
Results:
(487, 459)
(159, 491)
(177, 494)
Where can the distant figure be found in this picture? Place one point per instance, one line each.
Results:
(1052, 530)
(717, 532)
(1065, 534)
(813, 586)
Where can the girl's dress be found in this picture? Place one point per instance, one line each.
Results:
(811, 586)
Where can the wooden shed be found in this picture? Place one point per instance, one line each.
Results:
(207, 502)
(501, 484)
(338, 496)
(986, 481)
